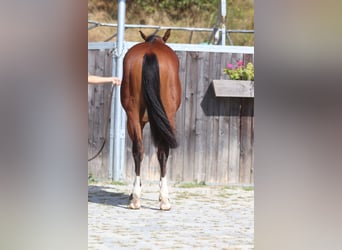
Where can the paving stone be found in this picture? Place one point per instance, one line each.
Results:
(208, 217)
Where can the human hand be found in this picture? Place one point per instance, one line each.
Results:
(116, 81)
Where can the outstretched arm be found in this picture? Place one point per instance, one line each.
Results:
(102, 79)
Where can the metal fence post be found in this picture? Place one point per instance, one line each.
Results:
(223, 16)
(118, 123)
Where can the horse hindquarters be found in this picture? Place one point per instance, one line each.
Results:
(161, 129)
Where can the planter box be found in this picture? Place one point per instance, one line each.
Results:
(233, 88)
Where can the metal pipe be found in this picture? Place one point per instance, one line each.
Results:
(223, 35)
(142, 26)
(223, 15)
(116, 123)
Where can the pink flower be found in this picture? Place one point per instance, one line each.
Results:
(240, 63)
(229, 66)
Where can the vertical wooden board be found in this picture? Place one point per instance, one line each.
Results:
(91, 67)
(223, 141)
(223, 106)
(187, 118)
(99, 116)
(252, 151)
(224, 127)
(246, 138)
(218, 102)
(94, 169)
(210, 107)
(95, 162)
(211, 140)
(196, 118)
(190, 112)
(200, 120)
(178, 154)
(234, 141)
(91, 61)
(218, 69)
(107, 89)
(108, 64)
(98, 137)
(105, 127)
(176, 159)
(90, 126)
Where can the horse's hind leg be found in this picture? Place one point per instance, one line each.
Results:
(137, 150)
(163, 154)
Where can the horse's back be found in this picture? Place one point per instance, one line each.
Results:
(168, 70)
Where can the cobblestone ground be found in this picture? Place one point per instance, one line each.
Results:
(206, 217)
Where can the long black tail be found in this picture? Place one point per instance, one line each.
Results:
(161, 129)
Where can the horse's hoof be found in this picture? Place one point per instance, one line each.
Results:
(165, 205)
(134, 203)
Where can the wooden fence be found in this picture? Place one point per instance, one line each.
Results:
(99, 63)
(216, 134)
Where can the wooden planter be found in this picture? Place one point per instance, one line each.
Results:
(233, 88)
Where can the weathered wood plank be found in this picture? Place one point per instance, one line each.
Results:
(107, 88)
(223, 106)
(91, 93)
(200, 129)
(234, 141)
(233, 88)
(247, 140)
(223, 134)
(176, 159)
(209, 106)
(190, 116)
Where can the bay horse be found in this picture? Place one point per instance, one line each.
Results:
(151, 92)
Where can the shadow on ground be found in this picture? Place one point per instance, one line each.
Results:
(97, 194)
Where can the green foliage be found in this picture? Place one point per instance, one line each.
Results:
(118, 183)
(192, 184)
(248, 188)
(186, 13)
(91, 178)
(176, 9)
(171, 4)
(240, 72)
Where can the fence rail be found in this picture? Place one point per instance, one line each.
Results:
(214, 30)
(216, 134)
(95, 24)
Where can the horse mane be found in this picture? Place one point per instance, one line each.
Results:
(152, 38)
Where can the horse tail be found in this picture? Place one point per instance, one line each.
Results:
(161, 129)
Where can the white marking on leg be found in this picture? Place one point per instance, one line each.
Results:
(164, 195)
(137, 187)
(136, 194)
(164, 192)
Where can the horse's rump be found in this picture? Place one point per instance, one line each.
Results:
(161, 129)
